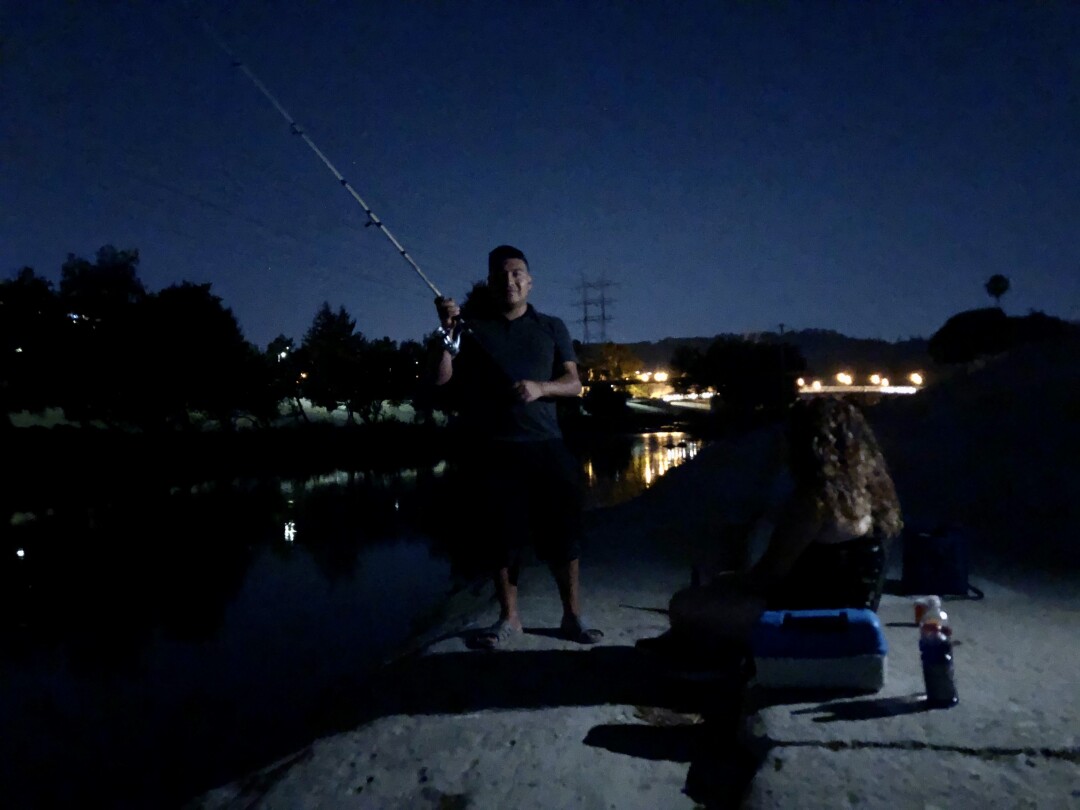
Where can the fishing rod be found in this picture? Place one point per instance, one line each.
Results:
(451, 337)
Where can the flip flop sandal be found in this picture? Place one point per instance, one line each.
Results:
(575, 628)
(498, 635)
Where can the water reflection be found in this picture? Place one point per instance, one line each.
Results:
(113, 573)
(164, 643)
(622, 468)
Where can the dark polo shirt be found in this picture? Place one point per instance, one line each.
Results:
(499, 352)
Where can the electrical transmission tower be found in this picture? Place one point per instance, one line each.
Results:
(591, 300)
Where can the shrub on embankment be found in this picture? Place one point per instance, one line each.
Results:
(67, 459)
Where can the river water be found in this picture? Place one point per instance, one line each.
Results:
(153, 649)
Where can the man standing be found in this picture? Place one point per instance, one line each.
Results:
(507, 369)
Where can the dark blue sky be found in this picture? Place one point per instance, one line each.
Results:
(860, 166)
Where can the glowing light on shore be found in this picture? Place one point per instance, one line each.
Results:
(916, 378)
(801, 382)
(290, 532)
(20, 553)
(875, 379)
(844, 378)
(816, 385)
(660, 376)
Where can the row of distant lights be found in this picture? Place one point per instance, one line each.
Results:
(683, 397)
(652, 376)
(848, 379)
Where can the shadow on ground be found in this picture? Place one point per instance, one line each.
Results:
(525, 679)
(679, 721)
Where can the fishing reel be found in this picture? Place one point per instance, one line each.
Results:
(451, 339)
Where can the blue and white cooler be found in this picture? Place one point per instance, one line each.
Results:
(820, 649)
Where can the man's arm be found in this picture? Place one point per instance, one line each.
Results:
(567, 384)
(445, 368)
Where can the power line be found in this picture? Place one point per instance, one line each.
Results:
(601, 301)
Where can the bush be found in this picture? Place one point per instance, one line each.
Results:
(968, 335)
(976, 333)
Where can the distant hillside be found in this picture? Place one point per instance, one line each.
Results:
(826, 352)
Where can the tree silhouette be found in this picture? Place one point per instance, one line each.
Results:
(101, 360)
(284, 362)
(747, 375)
(31, 325)
(197, 358)
(406, 370)
(610, 361)
(372, 384)
(333, 350)
(108, 351)
(687, 363)
(95, 292)
(996, 286)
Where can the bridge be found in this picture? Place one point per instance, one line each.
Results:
(817, 390)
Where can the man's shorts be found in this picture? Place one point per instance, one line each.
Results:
(522, 493)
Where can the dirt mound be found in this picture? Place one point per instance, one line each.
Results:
(996, 447)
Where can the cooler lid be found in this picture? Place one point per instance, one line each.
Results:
(818, 634)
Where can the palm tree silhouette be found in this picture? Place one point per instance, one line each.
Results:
(997, 286)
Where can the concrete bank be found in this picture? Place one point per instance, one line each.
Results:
(546, 723)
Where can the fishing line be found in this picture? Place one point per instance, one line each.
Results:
(451, 338)
(296, 129)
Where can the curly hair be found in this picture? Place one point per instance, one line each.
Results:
(835, 456)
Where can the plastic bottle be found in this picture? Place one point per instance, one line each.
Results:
(935, 648)
(929, 609)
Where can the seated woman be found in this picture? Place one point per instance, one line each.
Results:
(828, 547)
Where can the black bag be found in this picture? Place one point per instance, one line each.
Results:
(936, 562)
(830, 576)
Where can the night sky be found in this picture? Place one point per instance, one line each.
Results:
(727, 167)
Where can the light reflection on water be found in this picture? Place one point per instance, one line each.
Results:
(616, 473)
